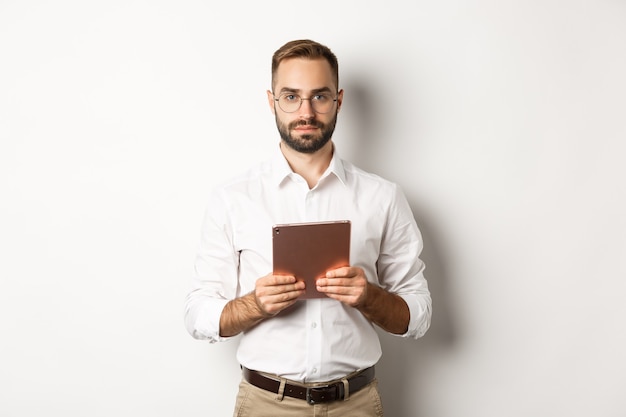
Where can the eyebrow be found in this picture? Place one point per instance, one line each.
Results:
(298, 91)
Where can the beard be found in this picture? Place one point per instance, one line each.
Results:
(306, 143)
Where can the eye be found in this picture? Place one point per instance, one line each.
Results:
(321, 98)
(290, 97)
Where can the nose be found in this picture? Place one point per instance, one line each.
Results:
(306, 109)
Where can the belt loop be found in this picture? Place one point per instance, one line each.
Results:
(346, 389)
(281, 390)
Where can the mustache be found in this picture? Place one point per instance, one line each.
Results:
(313, 123)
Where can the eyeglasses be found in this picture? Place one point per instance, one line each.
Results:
(290, 102)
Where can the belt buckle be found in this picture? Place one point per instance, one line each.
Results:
(310, 400)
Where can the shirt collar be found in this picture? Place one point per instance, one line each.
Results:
(281, 169)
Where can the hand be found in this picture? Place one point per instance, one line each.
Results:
(274, 293)
(348, 285)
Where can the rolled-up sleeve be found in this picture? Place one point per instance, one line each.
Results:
(214, 281)
(400, 269)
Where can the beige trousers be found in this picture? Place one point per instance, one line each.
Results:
(256, 402)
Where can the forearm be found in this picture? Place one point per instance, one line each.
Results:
(240, 314)
(387, 310)
(272, 294)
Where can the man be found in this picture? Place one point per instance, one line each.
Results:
(315, 356)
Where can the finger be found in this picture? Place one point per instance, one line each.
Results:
(281, 279)
(275, 280)
(287, 291)
(286, 298)
(347, 295)
(349, 299)
(274, 303)
(279, 290)
(336, 282)
(345, 271)
(335, 289)
(291, 295)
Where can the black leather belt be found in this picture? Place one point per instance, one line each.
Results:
(313, 394)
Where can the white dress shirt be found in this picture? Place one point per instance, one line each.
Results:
(319, 339)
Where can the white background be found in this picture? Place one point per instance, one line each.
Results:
(504, 123)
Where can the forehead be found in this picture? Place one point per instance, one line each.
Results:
(304, 74)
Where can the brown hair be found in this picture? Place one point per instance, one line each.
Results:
(305, 49)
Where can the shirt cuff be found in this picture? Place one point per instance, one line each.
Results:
(420, 314)
(206, 324)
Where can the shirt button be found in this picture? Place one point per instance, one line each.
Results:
(314, 370)
(313, 325)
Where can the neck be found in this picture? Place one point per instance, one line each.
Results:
(309, 166)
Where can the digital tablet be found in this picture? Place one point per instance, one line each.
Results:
(308, 250)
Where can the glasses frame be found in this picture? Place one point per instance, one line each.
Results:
(301, 100)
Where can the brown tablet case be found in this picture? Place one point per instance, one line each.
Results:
(308, 250)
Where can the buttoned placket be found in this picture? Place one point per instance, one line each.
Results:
(314, 307)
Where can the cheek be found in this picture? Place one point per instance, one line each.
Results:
(284, 121)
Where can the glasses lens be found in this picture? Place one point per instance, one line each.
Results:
(289, 102)
(322, 103)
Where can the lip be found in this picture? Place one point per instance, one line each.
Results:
(306, 128)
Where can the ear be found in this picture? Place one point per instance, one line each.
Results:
(339, 100)
(271, 102)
